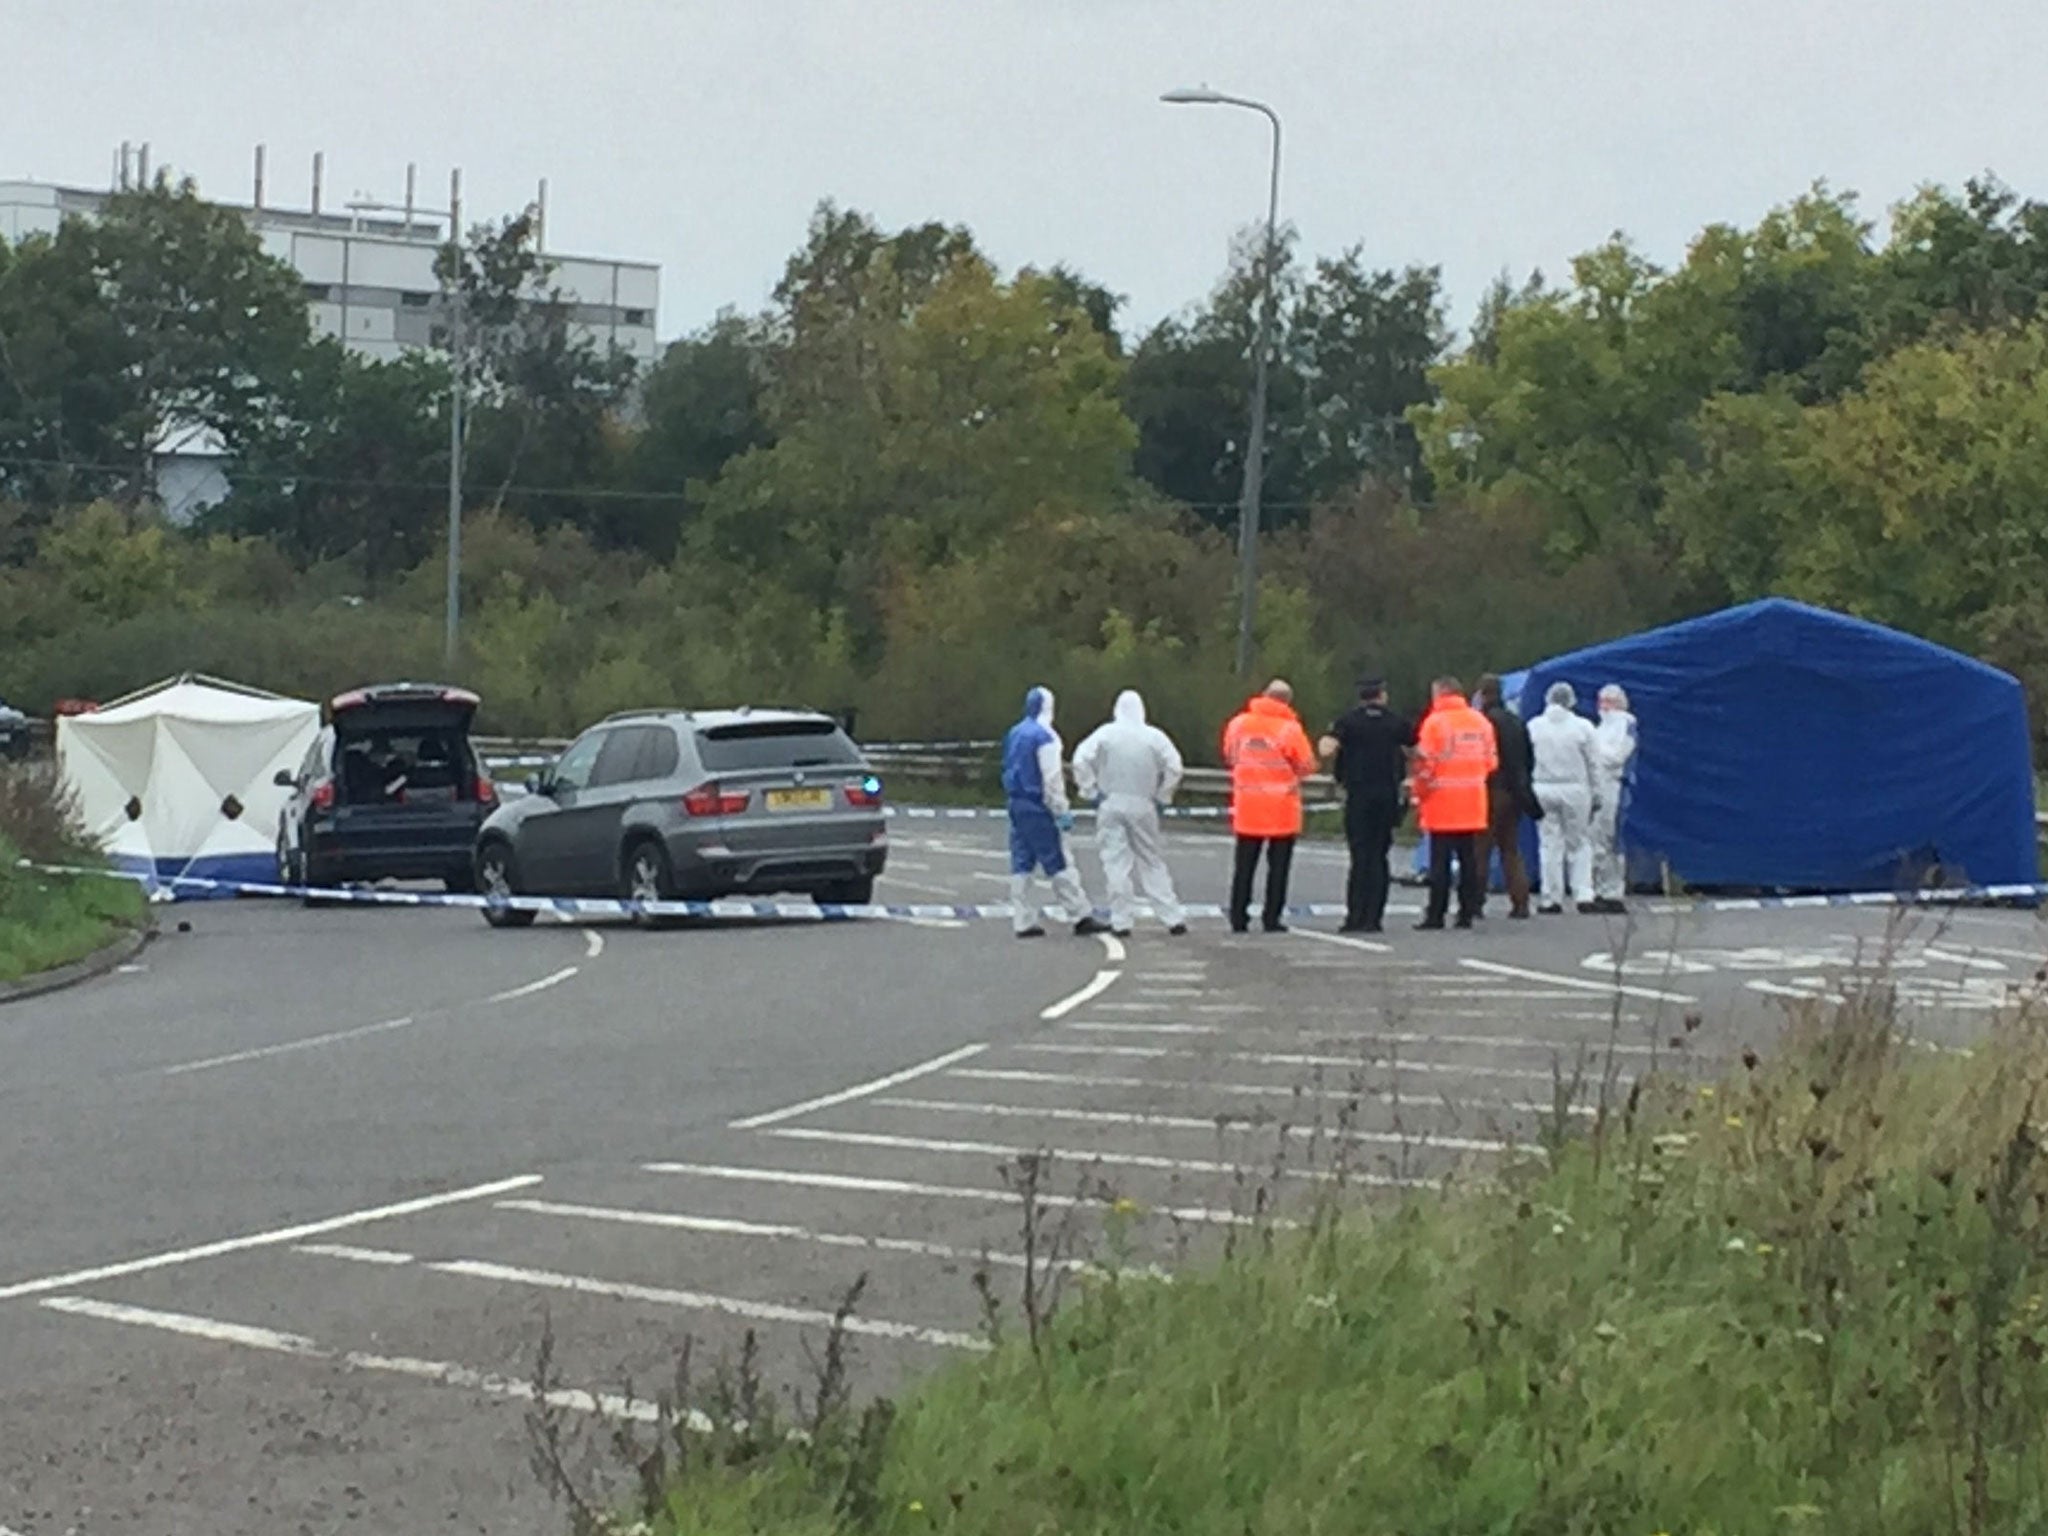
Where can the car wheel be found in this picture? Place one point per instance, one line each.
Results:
(312, 877)
(645, 875)
(497, 876)
(849, 893)
(287, 863)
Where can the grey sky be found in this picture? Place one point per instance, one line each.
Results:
(1479, 134)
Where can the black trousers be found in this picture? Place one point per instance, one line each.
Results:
(1466, 848)
(1369, 829)
(1279, 852)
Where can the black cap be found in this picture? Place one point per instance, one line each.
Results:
(1372, 683)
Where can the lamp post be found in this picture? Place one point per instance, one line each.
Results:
(1255, 447)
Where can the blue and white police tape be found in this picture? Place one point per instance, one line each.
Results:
(164, 888)
(997, 813)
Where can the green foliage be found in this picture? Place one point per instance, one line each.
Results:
(46, 919)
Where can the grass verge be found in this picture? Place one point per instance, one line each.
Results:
(1810, 1296)
(51, 920)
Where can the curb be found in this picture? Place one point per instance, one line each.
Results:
(93, 966)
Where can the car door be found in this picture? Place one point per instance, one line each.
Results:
(593, 836)
(547, 829)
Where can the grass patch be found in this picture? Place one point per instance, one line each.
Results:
(51, 920)
(1811, 1296)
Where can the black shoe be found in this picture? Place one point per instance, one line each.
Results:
(1612, 906)
(1463, 922)
(1519, 916)
(1430, 925)
(1240, 928)
(1120, 933)
(1274, 927)
(1033, 932)
(1371, 928)
(1089, 926)
(1177, 931)
(1589, 908)
(1551, 910)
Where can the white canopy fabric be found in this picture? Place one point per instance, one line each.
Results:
(177, 779)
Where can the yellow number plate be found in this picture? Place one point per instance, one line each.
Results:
(799, 799)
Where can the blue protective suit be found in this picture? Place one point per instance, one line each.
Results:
(1033, 787)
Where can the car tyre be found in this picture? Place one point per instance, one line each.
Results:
(498, 875)
(645, 874)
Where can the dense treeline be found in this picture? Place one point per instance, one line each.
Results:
(915, 484)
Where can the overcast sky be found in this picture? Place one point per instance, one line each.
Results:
(1477, 134)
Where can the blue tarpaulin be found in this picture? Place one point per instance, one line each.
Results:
(1788, 747)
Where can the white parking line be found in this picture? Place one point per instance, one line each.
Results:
(610, 1404)
(701, 1301)
(726, 1226)
(920, 885)
(533, 986)
(1106, 1027)
(261, 1052)
(1081, 1155)
(1103, 981)
(1578, 983)
(388, 1256)
(1355, 1063)
(593, 943)
(1113, 947)
(1291, 1092)
(1210, 1123)
(858, 1090)
(278, 1238)
(1349, 941)
(856, 1184)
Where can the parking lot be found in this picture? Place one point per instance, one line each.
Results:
(291, 1201)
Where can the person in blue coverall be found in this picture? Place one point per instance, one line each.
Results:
(1040, 817)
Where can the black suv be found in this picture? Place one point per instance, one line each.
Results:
(390, 789)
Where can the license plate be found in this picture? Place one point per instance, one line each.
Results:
(799, 799)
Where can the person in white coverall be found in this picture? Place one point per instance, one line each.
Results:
(1562, 772)
(1132, 770)
(1614, 754)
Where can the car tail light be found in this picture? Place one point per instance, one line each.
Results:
(486, 791)
(323, 795)
(864, 793)
(710, 800)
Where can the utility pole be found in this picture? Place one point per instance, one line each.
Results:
(457, 388)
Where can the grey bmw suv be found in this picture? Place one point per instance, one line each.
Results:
(668, 804)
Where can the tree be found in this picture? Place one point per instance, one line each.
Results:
(703, 405)
(1364, 342)
(161, 311)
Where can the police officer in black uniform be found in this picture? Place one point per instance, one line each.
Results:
(1367, 749)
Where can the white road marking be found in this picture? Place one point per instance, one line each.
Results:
(534, 986)
(701, 1301)
(1079, 1155)
(1172, 992)
(1103, 981)
(1113, 947)
(593, 943)
(277, 1238)
(726, 1226)
(611, 1404)
(354, 1255)
(1337, 1096)
(311, 1042)
(921, 885)
(859, 1090)
(1134, 1007)
(982, 874)
(896, 862)
(1209, 1123)
(1349, 941)
(1579, 983)
(1354, 1063)
(853, 1184)
(1107, 1028)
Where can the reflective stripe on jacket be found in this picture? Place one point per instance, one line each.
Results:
(1268, 755)
(1454, 752)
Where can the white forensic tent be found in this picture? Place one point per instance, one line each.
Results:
(178, 779)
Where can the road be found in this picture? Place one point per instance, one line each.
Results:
(289, 1203)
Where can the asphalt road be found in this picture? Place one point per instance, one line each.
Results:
(287, 1206)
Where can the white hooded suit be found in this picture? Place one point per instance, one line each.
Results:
(1135, 769)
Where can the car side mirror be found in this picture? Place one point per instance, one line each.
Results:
(539, 784)
(285, 779)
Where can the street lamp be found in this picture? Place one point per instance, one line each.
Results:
(1255, 449)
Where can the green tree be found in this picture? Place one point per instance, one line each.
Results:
(702, 405)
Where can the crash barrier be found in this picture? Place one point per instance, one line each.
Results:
(166, 889)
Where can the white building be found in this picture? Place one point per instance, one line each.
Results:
(369, 275)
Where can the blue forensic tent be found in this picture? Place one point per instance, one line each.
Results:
(1788, 747)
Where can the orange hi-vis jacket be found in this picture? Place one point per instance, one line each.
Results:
(1454, 752)
(1268, 755)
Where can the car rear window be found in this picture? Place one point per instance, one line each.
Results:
(776, 744)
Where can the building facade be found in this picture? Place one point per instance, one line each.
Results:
(369, 277)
